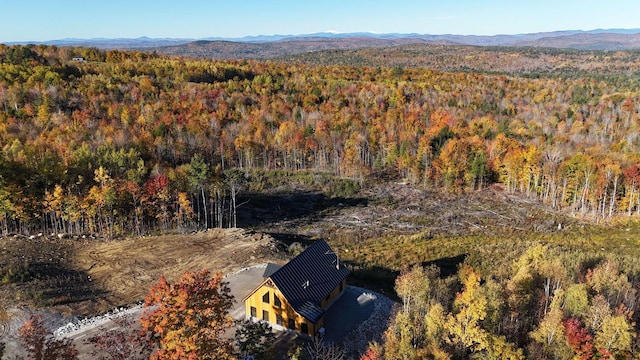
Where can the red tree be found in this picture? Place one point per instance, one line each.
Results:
(42, 345)
(581, 341)
(121, 343)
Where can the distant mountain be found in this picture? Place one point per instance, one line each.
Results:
(273, 49)
(267, 46)
(296, 45)
(108, 43)
(588, 41)
(482, 40)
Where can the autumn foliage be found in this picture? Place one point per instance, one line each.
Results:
(578, 338)
(537, 311)
(124, 342)
(188, 317)
(129, 143)
(41, 344)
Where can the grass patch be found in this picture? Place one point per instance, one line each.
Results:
(492, 254)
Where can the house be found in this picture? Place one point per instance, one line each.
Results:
(297, 295)
(78, 59)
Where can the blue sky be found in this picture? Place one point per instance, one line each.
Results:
(39, 20)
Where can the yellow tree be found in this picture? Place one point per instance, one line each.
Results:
(454, 157)
(607, 280)
(58, 206)
(471, 304)
(407, 333)
(466, 330)
(615, 335)
(285, 140)
(352, 162)
(578, 173)
(184, 211)
(550, 331)
(133, 187)
(53, 205)
(399, 339)
(102, 197)
(576, 301)
(435, 324)
(7, 208)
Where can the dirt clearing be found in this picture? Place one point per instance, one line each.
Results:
(79, 277)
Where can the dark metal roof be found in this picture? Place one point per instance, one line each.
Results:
(270, 269)
(309, 278)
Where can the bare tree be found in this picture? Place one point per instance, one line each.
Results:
(319, 350)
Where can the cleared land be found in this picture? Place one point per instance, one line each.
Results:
(83, 277)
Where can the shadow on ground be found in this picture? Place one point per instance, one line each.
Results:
(346, 314)
(38, 272)
(52, 284)
(378, 278)
(262, 209)
(382, 279)
(448, 265)
(290, 238)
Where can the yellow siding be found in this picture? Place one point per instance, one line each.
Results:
(326, 303)
(285, 310)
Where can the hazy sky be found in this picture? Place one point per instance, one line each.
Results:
(39, 20)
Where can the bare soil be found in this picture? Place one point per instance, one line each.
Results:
(80, 277)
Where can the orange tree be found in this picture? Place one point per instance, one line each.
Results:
(187, 318)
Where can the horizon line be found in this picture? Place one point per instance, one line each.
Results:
(326, 32)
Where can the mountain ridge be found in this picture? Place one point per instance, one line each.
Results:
(526, 39)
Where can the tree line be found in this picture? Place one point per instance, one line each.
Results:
(132, 142)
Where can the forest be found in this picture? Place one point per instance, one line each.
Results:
(131, 143)
(536, 311)
(168, 142)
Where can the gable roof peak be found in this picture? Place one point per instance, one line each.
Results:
(309, 278)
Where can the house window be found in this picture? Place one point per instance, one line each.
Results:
(279, 319)
(292, 324)
(265, 298)
(265, 315)
(276, 301)
(254, 312)
(304, 328)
